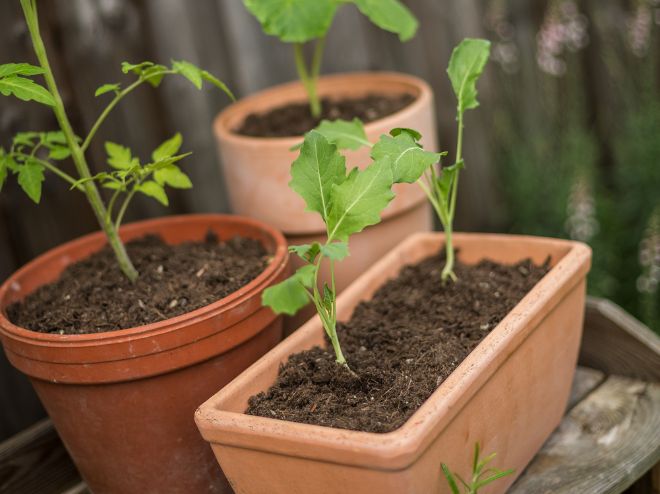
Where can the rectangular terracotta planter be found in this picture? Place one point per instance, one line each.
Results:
(508, 394)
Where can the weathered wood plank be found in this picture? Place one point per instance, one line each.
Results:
(35, 462)
(603, 445)
(616, 343)
(584, 382)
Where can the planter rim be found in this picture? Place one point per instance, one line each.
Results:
(420, 89)
(274, 268)
(398, 449)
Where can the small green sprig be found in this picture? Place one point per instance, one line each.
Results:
(441, 187)
(347, 203)
(302, 21)
(481, 475)
(31, 154)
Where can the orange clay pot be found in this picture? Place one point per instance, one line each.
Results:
(257, 170)
(123, 401)
(508, 394)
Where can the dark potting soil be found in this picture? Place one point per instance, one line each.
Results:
(93, 295)
(295, 119)
(401, 345)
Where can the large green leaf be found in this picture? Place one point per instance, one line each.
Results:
(465, 66)
(406, 157)
(168, 148)
(294, 21)
(8, 69)
(119, 156)
(359, 200)
(335, 250)
(318, 168)
(390, 15)
(289, 296)
(173, 176)
(26, 90)
(344, 134)
(155, 190)
(30, 178)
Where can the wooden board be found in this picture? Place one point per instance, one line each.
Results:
(606, 442)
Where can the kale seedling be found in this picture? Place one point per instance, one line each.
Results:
(302, 21)
(33, 153)
(465, 66)
(481, 476)
(347, 203)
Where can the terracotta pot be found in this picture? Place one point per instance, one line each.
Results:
(257, 170)
(123, 401)
(508, 394)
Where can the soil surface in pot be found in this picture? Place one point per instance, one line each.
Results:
(295, 119)
(93, 296)
(402, 344)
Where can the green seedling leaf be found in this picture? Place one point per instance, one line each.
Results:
(358, 201)
(153, 189)
(113, 185)
(406, 157)
(25, 139)
(59, 153)
(390, 15)
(328, 297)
(26, 90)
(405, 130)
(119, 157)
(307, 252)
(450, 479)
(344, 134)
(30, 178)
(335, 250)
(136, 68)
(447, 176)
(107, 88)
(291, 295)
(318, 168)
(54, 137)
(168, 148)
(154, 74)
(8, 69)
(189, 71)
(475, 457)
(294, 21)
(465, 66)
(173, 176)
(492, 478)
(208, 77)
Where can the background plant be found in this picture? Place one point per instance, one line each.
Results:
(481, 475)
(303, 21)
(33, 153)
(347, 203)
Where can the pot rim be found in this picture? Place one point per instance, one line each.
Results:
(274, 268)
(420, 89)
(396, 450)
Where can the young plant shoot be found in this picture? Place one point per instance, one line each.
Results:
(465, 66)
(33, 153)
(347, 203)
(302, 21)
(481, 476)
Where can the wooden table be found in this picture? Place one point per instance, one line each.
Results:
(608, 442)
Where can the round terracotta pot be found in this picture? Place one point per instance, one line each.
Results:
(123, 401)
(257, 170)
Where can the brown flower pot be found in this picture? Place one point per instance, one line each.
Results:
(508, 394)
(123, 401)
(257, 170)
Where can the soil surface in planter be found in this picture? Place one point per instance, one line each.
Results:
(93, 296)
(295, 119)
(402, 344)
